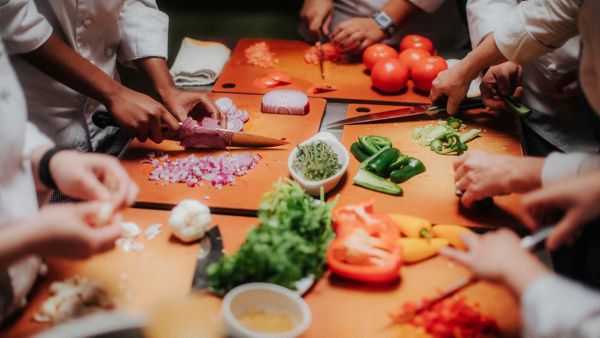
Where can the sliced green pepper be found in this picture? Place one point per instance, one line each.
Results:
(453, 122)
(372, 144)
(411, 168)
(398, 163)
(358, 152)
(364, 164)
(371, 181)
(517, 107)
(381, 162)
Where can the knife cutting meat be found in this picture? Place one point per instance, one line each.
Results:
(195, 136)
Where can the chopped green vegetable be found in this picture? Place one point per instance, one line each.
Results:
(372, 144)
(371, 181)
(410, 167)
(443, 137)
(358, 152)
(316, 161)
(288, 245)
(380, 164)
(516, 106)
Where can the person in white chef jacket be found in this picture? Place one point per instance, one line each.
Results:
(133, 32)
(365, 22)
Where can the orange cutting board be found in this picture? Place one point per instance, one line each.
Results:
(157, 280)
(244, 196)
(349, 76)
(431, 195)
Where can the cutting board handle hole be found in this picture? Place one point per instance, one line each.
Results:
(363, 109)
(228, 85)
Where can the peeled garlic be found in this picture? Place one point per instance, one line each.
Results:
(189, 220)
(104, 214)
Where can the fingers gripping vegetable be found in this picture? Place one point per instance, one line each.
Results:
(189, 220)
(417, 249)
(452, 234)
(411, 226)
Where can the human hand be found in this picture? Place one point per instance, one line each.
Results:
(574, 201)
(501, 80)
(183, 103)
(317, 15)
(141, 116)
(356, 34)
(498, 256)
(68, 231)
(480, 175)
(92, 177)
(452, 86)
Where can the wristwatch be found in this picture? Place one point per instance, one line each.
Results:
(385, 22)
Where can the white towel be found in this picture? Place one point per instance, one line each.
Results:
(199, 63)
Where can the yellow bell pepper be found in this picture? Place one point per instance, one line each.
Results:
(411, 226)
(452, 234)
(417, 249)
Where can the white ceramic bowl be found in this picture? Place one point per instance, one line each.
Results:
(314, 187)
(264, 297)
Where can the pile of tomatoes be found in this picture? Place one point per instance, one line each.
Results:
(390, 71)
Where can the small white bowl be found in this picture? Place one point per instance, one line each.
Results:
(264, 297)
(314, 187)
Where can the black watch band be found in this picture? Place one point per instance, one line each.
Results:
(44, 168)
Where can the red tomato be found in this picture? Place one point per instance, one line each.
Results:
(416, 41)
(411, 55)
(377, 52)
(389, 75)
(425, 71)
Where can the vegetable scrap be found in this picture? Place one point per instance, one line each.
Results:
(285, 101)
(259, 54)
(447, 319)
(74, 297)
(322, 88)
(443, 137)
(189, 220)
(273, 79)
(218, 170)
(153, 230)
(330, 53)
(129, 232)
(380, 162)
(316, 161)
(288, 245)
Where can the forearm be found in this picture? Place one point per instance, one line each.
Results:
(157, 71)
(400, 11)
(61, 62)
(520, 276)
(485, 55)
(18, 240)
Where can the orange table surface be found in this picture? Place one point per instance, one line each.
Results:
(351, 78)
(163, 271)
(244, 196)
(431, 195)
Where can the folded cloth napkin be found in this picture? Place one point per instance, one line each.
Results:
(199, 63)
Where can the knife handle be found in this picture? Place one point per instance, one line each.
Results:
(103, 119)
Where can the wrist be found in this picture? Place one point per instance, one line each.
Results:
(166, 91)
(468, 67)
(520, 276)
(47, 165)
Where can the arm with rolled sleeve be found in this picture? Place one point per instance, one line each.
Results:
(484, 15)
(536, 27)
(22, 27)
(144, 31)
(428, 6)
(556, 307)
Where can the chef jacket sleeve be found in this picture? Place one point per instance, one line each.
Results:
(22, 27)
(34, 138)
(558, 165)
(556, 307)
(484, 15)
(428, 6)
(536, 27)
(144, 31)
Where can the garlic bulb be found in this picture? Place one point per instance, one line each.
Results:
(189, 220)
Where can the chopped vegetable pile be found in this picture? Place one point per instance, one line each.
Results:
(316, 161)
(449, 319)
(379, 161)
(288, 245)
(443, 137)
(260, 55)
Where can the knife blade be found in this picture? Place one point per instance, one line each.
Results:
(238, 139)
(321, 56)
(402, 112)
(211, 250)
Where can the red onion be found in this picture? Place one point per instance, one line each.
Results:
(235, 125)
(285, 101)
(226, 105)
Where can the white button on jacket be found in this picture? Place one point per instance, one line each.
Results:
(104, 32)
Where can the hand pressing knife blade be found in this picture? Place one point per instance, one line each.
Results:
(211, 250)
(237, 139)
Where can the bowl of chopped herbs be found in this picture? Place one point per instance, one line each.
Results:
(320, 161)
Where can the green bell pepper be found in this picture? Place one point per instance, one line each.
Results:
(411, 167)
(358, 152)
(371, 181)
(382, 161)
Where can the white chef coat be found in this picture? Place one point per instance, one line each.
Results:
(17, 188)
(439, 22)
(102, 32)
(556, 307)
(536, 27)
(557, 116)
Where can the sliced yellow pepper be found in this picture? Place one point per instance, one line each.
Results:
(417, 249)
(451, 233)
(411, 226)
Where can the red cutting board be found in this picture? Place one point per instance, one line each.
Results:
(431, 195)
(244, 196)
(350, 76)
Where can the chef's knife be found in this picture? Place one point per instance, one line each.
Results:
(527, 243)
(405, 112)
(211, 250)
(321, 56)
(239, 139)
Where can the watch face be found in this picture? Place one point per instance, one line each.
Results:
(383, 19)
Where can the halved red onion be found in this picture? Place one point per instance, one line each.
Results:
(243, 115)
(210, 123)
(235, 125)
(285, 101)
